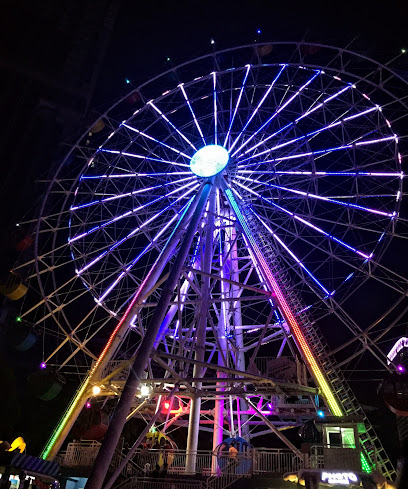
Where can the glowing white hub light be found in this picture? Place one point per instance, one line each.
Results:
(209, 160)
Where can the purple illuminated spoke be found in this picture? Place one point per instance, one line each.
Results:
(134, 231)
(139, 256)
(307, 223)
(305, 136)
(257, 107)
(181, 86)
(129, 194)
(237, 104)
(275, 114)
(142, 157)
(306, 114)
(215, 106)
(324, 173)
(134, 175)
(319, 197)
(156, 140)
(130, 212)
(321, 151)
(290, 252)
(171, 124)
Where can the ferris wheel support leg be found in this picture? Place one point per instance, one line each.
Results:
(195, 405)
(72, 412)
(242, 419)
(219, 405)
(118, 419)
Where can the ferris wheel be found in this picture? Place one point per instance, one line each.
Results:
(239, 209)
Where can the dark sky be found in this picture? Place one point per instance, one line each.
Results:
(59, 67)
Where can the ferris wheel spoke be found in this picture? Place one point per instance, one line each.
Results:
(277, 112)
(143, 134)
(248, 67)
(390, 282)
(320, 197)
(130, 194)
(131, 212)
(257, 108)
(183, 91)
(306, 137)
(290, 252)
(129, 267)
(305, 222)
(321, 151)
(165, 118)
(399, 175)
(214, 76)
(142, 157)
(134, 231)
(134, 175)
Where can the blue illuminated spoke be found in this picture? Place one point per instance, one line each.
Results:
(257, 108)
(129, 267)
(277, 112)
(142, 157)
(290, 252)
(291, 124)
(129, 213)
(307, 223)
(305, 136)
(320, 152)
(134, 231)
(192, 112)
(129, 194)
(248, 67)
(171, 124)
(156, 140)
(134, 175)
(319, 197)
(215, 106)
(325, 173)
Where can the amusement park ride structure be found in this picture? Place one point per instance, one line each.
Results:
(207, 228)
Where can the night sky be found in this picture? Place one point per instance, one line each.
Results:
(60, 69)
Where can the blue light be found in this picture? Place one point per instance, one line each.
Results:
(209, 160)
(258, 31)
(320, 414)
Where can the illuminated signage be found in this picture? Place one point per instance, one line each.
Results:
(339, 477)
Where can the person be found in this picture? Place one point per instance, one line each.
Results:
(163, 472)
(232, 452)
(156, 471)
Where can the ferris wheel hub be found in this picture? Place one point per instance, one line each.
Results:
(209, 160)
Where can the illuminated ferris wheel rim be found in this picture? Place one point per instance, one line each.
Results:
(80, 147)
(243, 179)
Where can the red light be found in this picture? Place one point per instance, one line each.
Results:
(166, 405)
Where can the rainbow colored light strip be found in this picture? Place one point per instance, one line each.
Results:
(78, 396)
(286, 311)
(334, 406)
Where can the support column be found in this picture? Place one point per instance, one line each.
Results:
(78, 402)
(118, 420)
(195, 404)
(240, 360)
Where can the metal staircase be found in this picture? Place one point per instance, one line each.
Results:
(371, 445)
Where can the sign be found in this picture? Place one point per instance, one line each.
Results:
(339, 477)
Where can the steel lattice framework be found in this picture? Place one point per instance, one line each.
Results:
(289, 254)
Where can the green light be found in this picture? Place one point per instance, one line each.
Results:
(153, 430)
(127, 80)
(18, 319)
(403, 50)
(168, 59)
